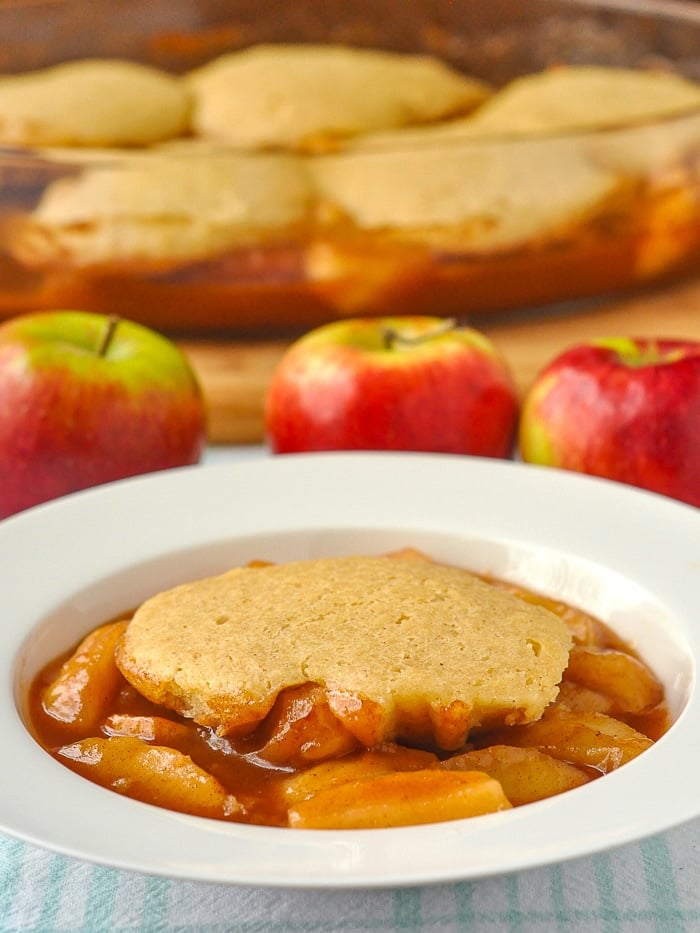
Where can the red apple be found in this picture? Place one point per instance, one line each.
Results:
(85, 399)
(394, 383)
(622, 408)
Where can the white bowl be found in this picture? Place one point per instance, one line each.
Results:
(630, 557)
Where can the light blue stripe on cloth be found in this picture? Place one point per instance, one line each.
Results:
(10, 872)
(53, 885)
(408, 912)
(556, 887)
(99, 909)
(663, 896)
(607, 896)
(464, 904)
(155, 904)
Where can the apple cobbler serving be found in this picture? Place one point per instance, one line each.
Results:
(347, 692)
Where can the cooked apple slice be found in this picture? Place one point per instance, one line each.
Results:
(81, 695)
(525, 774)
(153, 773)
(628, 682)
(591, 740)
(401, 799)
(356, 767)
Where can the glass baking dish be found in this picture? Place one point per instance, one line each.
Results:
(601, 211)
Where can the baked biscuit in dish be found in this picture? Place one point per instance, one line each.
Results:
(315, 96)
(586, 97)
(593, 101)
(469, 198)
(153, 210)
(404, 649)
(92, 102)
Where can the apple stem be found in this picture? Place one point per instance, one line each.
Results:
(392, 336)
(107, 335)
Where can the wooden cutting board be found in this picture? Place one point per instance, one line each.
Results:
(235, 375)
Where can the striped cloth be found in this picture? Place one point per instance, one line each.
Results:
(640, 888)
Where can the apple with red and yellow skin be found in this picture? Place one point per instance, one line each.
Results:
(627, 409)
(409, 383)
(86, 399)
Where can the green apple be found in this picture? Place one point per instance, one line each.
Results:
(86, 399)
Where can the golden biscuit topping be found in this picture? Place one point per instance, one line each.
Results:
(401, 648)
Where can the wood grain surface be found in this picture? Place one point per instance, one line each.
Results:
(235, 375)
